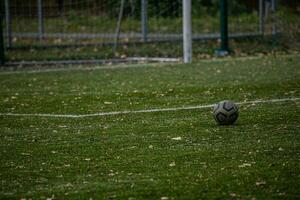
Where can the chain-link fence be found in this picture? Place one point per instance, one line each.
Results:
(104, 29)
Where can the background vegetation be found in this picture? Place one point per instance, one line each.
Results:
(94, 17)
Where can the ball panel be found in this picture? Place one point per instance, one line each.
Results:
(225, 113)
(228, 106)
(233, 117)
(221, 117)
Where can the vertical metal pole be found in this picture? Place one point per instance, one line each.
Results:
(40, 19)
(118, 29)
(274, 18)
(267, 7)
(8, 24)
(261, 17)
(224, 25)
(144, 16)
(2, 55)
(187, 31)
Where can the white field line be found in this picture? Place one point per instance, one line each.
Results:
(83, 68)
(143, 111)
(172, 61)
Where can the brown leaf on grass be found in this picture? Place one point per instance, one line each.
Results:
(245, 165)
(177, 138)
(172, 164)
(259, 183)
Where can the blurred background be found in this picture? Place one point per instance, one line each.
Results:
(43, 30)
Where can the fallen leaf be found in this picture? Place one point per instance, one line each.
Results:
(281, 149)
(259, 183)
(177, 138)
(245, 165)
(172, 164)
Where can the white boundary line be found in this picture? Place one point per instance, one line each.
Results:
(83, 68)
(142, 111)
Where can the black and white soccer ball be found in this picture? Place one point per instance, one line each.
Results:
(225, 113)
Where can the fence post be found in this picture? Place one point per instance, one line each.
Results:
(261, 17)
(224, 49)
(8, 24)
(274, 18)
(2, 55)
(40, 19)
(118, 29)
(144, 16)
(187, 31)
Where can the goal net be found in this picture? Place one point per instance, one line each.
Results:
(134, 29)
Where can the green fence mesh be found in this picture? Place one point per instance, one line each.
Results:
(88, 29)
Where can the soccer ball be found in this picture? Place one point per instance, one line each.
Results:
(225, 113)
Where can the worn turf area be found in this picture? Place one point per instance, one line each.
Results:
(163, 155)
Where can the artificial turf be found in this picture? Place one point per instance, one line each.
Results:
(162, 155)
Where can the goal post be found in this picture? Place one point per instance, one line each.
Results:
(187, 31)
(108, 30)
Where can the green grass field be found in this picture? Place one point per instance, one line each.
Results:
(161, 155)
